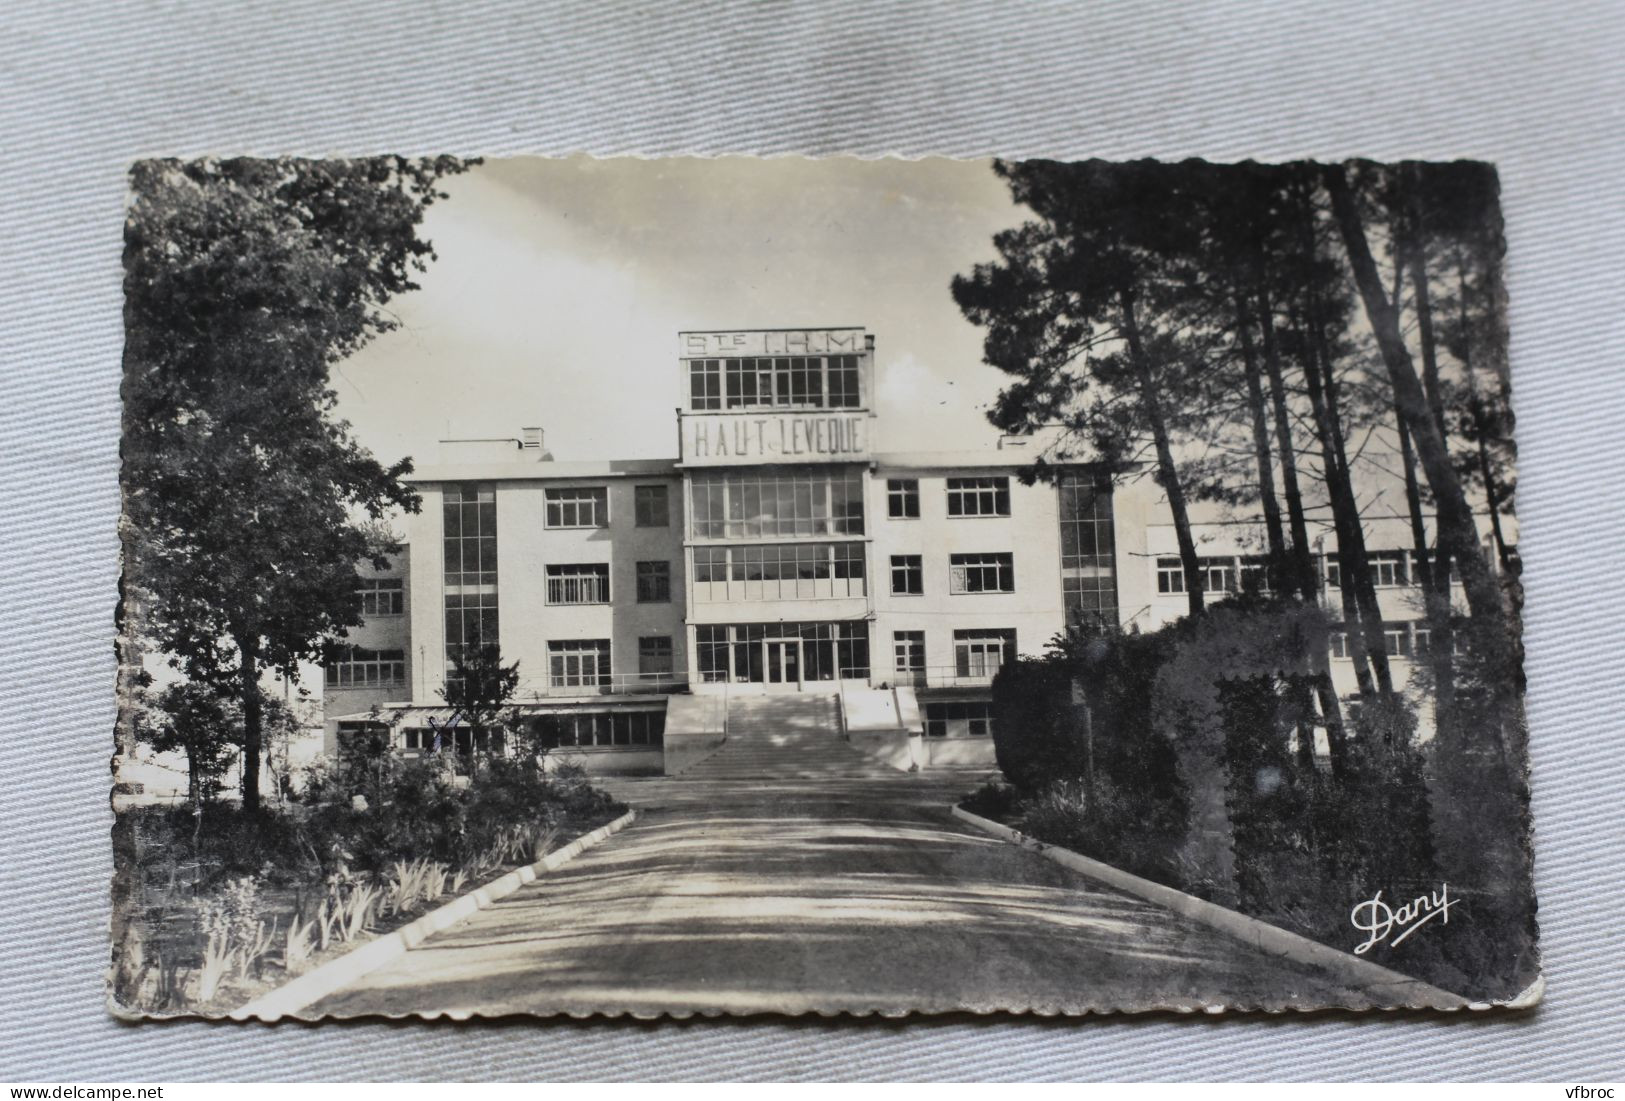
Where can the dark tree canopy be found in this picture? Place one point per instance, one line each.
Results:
(247, 504)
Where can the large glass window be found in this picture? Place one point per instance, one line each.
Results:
(578, 583)
(981, 573)
(787, 571)
(650, 505)
(736, 651)
(1088, 549)
(578, 507)
(381, 596)
(978, 496)
(582, 662)
(981, 652)
(785, 502)
(765, 382)
(469, 545)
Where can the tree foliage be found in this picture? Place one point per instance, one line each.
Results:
(245, 498)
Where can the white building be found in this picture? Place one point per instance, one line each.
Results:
(783, 551)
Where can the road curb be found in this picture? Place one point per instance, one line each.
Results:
(291, 997)
(1406, 992)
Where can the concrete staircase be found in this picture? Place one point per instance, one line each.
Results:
(788, 737)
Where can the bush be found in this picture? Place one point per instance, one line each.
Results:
(1112, 824)
(993, 800)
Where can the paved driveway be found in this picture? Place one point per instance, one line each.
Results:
(860, 895)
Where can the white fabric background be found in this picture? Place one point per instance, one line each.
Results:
(85, 88)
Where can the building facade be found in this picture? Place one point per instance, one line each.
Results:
(784, 550)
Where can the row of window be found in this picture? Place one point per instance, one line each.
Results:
(967, 573)
(588, 583)
(588, 507)
(785, 502)
(765, 382)
(357, 667)
(978, 652)
(966, 497)
(1228, 573)
(1399, 640)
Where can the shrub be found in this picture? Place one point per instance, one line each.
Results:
(1109, 823)
(993, 800)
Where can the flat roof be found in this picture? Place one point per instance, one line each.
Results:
(522, 470)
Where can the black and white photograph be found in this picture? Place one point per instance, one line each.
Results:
(678, 586)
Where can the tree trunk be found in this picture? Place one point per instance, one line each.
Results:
(1355, 567)
(1282, 575)
(1308, 576)
(1435, 580)
(1458, 532)
(1475, 405)
(1167, 472)
(1353, 626)
(249, 671)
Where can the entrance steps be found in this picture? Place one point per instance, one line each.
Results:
(789, 737)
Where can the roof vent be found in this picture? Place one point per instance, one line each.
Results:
(530, 439)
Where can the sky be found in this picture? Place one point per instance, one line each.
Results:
(561, 284)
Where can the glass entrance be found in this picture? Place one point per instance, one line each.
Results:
(783, 663)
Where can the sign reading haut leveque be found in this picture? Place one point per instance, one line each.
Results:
(773, 342)
(722, 438)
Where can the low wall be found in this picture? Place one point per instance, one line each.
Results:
(695, 729)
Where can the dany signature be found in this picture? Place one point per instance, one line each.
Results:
(1378, 920)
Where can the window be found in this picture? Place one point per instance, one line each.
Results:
(584, 583)
(981, 573)
(980, 653)
(782, 502)
(578, 662)
(1337, 641)
(907, 575)
(1254, 574)
(705, 384)
(978, 496)
(654, 657)
(602, 729)
(382, 596)
(1423, 640)
(654, 582)
(355, 667)
(790, 571)
(578, 507)
(909, 651)
(967, 719)
(735, 651)
(1088, 549)
(469, 545)
(650, 507)
(1389, 568)
(903, 498)
(763, 382)
(1333, 569)
(1218, 575)
(1396, 639)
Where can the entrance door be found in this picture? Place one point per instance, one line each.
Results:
(783, 664)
